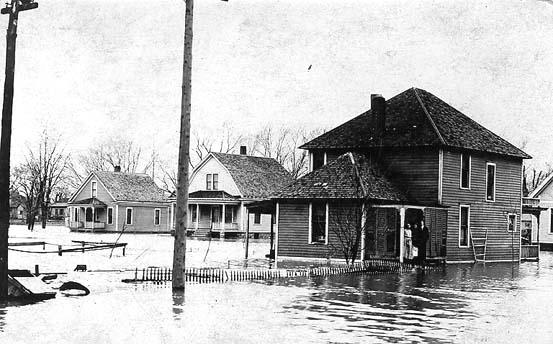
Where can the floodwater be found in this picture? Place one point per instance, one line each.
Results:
(492, 303)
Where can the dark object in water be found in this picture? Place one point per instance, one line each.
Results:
(49, 277)
(74, 286)
(80, 268)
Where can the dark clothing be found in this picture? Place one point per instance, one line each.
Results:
(420, 237)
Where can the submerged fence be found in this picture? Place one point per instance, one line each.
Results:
(221, 275)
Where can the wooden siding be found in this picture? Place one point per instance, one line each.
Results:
(415, 172)
(502, 244)
(293, 233)
(86, 192)
(143, 218)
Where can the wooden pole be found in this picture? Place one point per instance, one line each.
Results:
(179, 250)
(5, 148)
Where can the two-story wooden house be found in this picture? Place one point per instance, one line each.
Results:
(410, 158)
(220, 188)
(117, 201)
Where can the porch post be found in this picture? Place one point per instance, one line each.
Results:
(222, 235)
(171, 217)
(93, 217)
(363, 229)
(197, 216)
(401, 233)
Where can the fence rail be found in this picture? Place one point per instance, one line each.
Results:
(221, 275)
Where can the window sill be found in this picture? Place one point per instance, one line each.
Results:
(318, 243)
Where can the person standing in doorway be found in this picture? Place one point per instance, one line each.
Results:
(408, 243)
(423, 236)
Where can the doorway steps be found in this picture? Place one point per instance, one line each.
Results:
(479, 245)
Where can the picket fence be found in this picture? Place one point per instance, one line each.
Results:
(221, 275)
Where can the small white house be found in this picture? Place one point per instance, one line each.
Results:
(220, 188)
(544, 192)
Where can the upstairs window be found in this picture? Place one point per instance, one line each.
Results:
(490, 182)
(208, 180)
(257, 218)
(318, 159)
(212, 181)
(465, 171)
(94, 189)
(215, 181)
(318, 223)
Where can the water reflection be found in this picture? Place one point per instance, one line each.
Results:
(178, 304)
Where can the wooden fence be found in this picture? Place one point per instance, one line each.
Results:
(529, 252)
(220, 275)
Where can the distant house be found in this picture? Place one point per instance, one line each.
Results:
(220, 188)
(117, 201)
(410, 158)
(17, 207)
(58, 209)
(541, 226)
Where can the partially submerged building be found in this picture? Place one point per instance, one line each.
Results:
(117, 201)
(410, 158)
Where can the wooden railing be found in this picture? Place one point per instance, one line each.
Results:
(94, 225)
(529, 252)
(530, 202)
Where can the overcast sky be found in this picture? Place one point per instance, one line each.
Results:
(99, 68)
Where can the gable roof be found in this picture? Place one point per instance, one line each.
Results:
(416, 118)
(541, 188)
(255, 177)
(131, 186)
(136, 187)
(350, 176)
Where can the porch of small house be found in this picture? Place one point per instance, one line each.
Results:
(530, 237)
(385, 233)
(87, 215)
(220, 220)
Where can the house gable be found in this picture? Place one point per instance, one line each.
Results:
(211, 165)
(85, 191)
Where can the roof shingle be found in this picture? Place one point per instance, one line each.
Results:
(131, 186)
(256, 177)
(350, 176)
(416, 118)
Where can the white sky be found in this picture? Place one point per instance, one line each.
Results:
(100, 68)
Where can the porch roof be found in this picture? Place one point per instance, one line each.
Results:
(351, 176)
(212, 194)
(94, 202)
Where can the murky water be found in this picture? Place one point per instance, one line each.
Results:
(495, 303)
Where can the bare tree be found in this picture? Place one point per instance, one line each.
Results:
(532, 178)
(106, 155)
(27, 185)
(47, 165)
(223, 140)
(282, 145)
(347, 226)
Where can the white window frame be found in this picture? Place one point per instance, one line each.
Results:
(159, 222)
(107, 216)
(550, 220)
(494, 182)
(254, 215)
(461, 172)
(213, 187)
(468, 225)
(515, 225)
(94, 189)
(208, 181)
(311, 225)
(127, 216)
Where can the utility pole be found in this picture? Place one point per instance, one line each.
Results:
(179, 250)
(13, 10)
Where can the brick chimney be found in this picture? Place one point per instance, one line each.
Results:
(378, 107)
(242, 150)
(117, 168)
